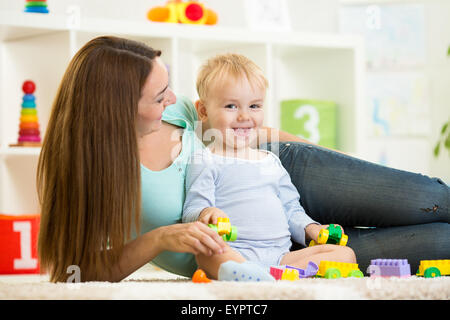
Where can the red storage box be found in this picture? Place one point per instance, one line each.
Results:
(18, 244)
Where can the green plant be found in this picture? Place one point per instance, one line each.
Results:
(444, 138)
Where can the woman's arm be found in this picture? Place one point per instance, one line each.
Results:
(272, 135)
(193, 237)
(267, 134)
(135, 254)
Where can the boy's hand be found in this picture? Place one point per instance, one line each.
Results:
(312, 230)
(210, 215)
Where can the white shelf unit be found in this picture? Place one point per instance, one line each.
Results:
(39, 47)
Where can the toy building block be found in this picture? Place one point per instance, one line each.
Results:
(433, 268)
(276, 272)
(225, 229)
(280, 273)
(199, 276)
(331, 235)
(389, 268)
(18, 243)
(223, 225)
(334, 270)
(290, 274)
(36, 6)
(310, 271)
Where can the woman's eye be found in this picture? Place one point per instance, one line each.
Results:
(230, 106)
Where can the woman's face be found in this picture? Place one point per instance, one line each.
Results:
(155, 97)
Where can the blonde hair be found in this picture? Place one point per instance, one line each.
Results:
(220, 68)
(88, 174)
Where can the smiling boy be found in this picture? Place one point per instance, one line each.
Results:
(232, 178)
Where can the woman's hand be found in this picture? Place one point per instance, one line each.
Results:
(210, 215)
(195, 237)
(312, 230)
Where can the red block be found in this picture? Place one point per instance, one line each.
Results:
(276, 272)
(18, 244)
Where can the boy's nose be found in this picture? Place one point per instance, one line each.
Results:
(243, 116)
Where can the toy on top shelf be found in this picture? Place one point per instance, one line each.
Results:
(292, 273)
(389, 268)
(331, 235)
(200, 277)
(433, 268)
(334, 270)
(177, 11)
(224, 229)
(29, 134)
(36, 6)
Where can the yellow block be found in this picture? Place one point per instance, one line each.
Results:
(223, 226)
(290, 274)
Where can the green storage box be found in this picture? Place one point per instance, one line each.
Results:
(313, 120)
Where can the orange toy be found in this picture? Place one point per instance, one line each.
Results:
(177, 11)
(200, 277)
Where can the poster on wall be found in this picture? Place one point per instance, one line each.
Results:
(398, 94)
(399, 104)
(394, 34)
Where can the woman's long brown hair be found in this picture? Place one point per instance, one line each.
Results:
(88, 174)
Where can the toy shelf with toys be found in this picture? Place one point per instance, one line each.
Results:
(38, 47)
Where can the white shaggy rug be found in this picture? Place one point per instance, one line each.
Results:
(154, 284)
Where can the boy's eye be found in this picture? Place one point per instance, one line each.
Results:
(255, 106)
(230, 106)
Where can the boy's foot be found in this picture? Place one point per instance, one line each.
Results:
(245, 271)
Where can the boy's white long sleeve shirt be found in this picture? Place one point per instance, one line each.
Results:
(257, 195)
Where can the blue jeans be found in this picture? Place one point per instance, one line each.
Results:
(409, 213)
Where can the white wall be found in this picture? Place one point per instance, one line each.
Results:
(408, 152)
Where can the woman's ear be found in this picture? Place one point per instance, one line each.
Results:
(201, 110)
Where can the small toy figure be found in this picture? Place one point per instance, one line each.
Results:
(29, 134)
(200, 277)
(177, 11)
(331, 235)
(225, 229)
(36, 6)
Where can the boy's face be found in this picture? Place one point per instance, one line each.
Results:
(235, 109)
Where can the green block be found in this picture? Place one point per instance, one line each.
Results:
(313, 120)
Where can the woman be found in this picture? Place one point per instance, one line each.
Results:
(107, 155)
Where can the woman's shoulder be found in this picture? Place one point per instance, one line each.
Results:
(182, 113)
